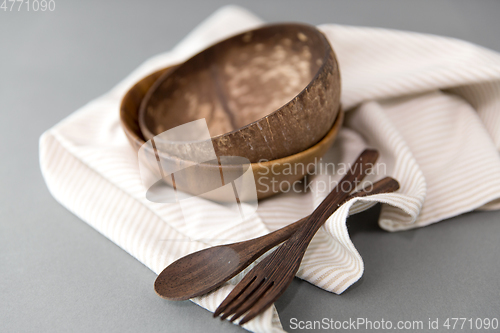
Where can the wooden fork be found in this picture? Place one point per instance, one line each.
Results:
(265, 283)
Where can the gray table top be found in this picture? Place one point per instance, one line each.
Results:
(58, 274)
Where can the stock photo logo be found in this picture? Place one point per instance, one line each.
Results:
(180, 166)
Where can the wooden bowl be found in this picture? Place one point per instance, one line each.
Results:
(267, 183)
(266, 94)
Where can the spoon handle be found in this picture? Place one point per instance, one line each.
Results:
(337, 196)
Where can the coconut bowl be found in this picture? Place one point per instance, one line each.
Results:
(268, 174)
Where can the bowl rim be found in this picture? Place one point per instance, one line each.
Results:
(325, 43)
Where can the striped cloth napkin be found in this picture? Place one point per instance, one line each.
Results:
(429, 104)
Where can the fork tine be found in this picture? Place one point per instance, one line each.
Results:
(257, 308)
(249, 302)
(238, 290)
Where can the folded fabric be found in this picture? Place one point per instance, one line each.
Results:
(429, 104)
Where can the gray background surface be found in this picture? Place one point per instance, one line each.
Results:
(58, 274)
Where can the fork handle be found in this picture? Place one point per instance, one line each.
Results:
(337, 196)
(264, 243)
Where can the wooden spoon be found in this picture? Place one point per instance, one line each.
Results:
(200, 272)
